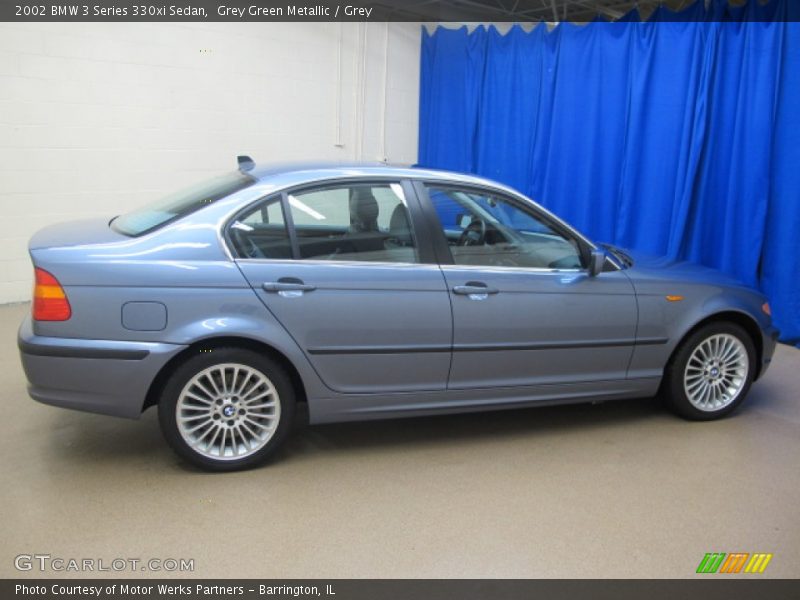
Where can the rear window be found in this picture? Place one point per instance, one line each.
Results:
(180, 204)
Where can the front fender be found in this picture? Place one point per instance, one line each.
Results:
(663, 324)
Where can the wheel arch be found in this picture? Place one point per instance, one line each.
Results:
(151, 398)
(744, 320)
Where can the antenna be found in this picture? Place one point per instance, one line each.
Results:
(245, 163)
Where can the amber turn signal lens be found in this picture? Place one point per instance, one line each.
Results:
(49, 299)
(767, 310)
(674, 298)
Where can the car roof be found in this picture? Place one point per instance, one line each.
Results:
(311, 171)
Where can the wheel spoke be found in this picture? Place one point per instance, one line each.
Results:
(187, 418)
(264, 394)
(197, 398)
(718, 393)
(692, 383)
(261, 406)
(726, 349)
(202, 437)
(210, 395)
(250, 431)
(262, 426)
(212, 441)
(234, 377)
(223, 444)
(245, 442)
(244, 381)
(234, 441)
(194, 428)
(253, 387)
(730, 355)
(210, 379)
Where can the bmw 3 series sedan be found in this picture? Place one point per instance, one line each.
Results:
(365, 292)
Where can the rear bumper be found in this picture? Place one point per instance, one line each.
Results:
(769, 342)
(99, 376)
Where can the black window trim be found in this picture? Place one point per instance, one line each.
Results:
(426, 255)
(288, 220)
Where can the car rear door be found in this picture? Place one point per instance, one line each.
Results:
(341, 266)
(525, 311)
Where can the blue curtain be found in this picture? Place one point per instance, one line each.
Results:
(677, 136)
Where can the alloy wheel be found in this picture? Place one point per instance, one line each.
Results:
(228, 411)
(716, 372)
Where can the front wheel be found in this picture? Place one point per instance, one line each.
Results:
(226, 409)
(711, 372)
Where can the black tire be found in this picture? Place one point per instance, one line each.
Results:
(675, 393)
(168, 407)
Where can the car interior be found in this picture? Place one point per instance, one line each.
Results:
(370, 222)
(483, 230)
(359, 222)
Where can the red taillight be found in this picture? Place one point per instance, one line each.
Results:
(49, 300)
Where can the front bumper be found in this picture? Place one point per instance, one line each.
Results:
(100, 376)
(769, 338)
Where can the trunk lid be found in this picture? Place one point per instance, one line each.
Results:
(75, 233)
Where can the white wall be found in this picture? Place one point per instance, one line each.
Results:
(98, 118)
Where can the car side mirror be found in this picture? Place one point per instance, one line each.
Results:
(597, 260)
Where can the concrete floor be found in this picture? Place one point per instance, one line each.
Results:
(617, 490)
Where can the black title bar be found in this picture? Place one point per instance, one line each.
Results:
(711, 587)
(245, 10)
(485, 11)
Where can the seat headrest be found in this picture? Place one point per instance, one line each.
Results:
(399, 221)
(363, 209)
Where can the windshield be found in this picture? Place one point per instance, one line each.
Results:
(180, 204)
(622, 256)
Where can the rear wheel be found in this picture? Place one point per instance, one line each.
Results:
(711, 372)
(226, 409)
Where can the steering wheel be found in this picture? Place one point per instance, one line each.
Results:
(474, 234)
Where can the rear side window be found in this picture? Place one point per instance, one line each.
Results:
(261, 233)
(180, 204)
(363, 222)
(355, 222)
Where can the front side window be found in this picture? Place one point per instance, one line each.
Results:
(484, 229)
(354, 222)
(180, 204)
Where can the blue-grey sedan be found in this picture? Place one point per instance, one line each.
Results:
(365, 292)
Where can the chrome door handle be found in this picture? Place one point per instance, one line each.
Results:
(288, 286)
(475, 291)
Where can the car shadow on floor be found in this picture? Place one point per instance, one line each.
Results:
(94, 439)
(472, 428)
(579, 419)
(97, 439)
(85, 438)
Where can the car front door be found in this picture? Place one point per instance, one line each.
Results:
(341, 267)
(525, 310)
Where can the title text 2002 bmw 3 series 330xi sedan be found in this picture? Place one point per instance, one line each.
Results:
(367, 291)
